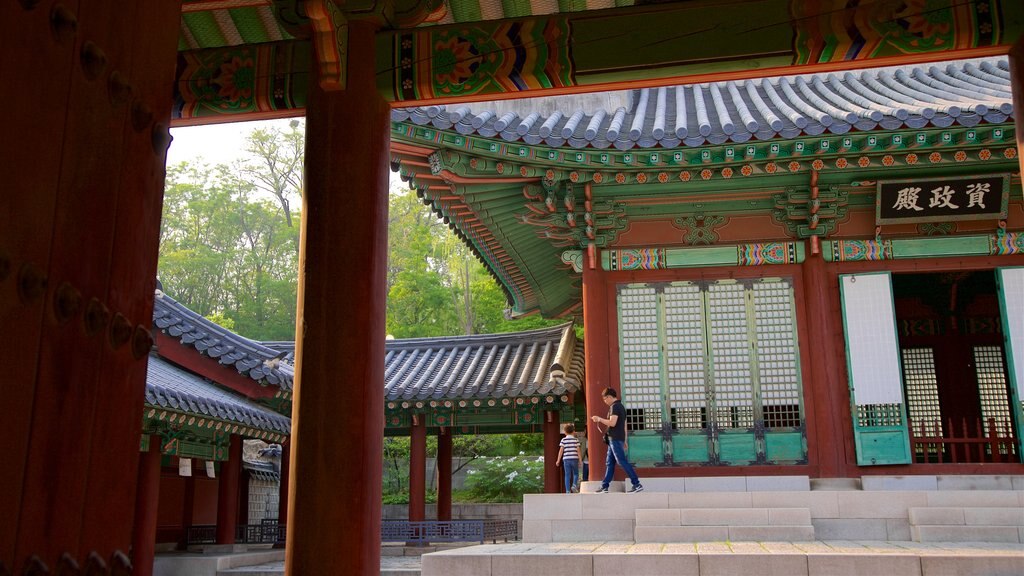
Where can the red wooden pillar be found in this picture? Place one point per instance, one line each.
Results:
(147, 500)
(596, 335)
(80, 209)
(829, 407)
(418, 469)
(1017, 85)
(444, 474)
(227, 493)
(282, 501)
(188, 510)
(552, 478)
(337, 431)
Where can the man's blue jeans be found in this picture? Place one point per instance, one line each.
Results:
(571, 472)
(617, 454)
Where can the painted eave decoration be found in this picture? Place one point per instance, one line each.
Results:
(250, 358)
(531, 186)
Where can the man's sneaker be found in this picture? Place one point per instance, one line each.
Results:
(634, 489)
(602, 490)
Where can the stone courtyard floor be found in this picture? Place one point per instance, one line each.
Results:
(816, 558)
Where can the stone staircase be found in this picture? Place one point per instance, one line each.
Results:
(724, 524)
(967, 524)
(794, 509)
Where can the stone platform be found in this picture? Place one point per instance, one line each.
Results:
(816, 558)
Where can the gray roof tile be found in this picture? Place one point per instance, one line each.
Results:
(249, 357)
(168, 386)
(963, 92)
(483, 366)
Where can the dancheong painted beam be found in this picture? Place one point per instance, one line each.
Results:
(581, 51)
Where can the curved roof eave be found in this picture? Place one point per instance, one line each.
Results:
(961, 92)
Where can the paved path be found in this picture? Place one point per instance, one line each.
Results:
(389, 566)
(816, 558)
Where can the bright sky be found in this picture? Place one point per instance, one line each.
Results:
(215, 143)
(225, 143)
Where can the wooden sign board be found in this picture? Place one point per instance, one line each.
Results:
(942, 199)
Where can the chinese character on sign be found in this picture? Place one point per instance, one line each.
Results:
(906, 199)
(942, 198)
(976, 193)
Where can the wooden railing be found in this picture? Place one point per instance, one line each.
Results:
(962, 442)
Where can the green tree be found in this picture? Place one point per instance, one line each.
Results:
(224, 251)
(276, 163)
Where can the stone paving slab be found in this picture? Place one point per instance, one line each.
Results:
(815, 558)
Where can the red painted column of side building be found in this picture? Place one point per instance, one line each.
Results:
(418, 469)
(334, 505)
(551, 438)
(595, 339)
(444, 474)
(227, 492)
(147, 502)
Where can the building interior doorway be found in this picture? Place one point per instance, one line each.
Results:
(955, 380)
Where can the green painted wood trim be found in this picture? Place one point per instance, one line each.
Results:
(700, 257)
(144, 443)
(465, 10)
(204, 29)
(579, 5)
(939, 247)
(249, 26)
(157, 417)
(1016, 386)
(770, 158)
(729, 255)
(516, 8)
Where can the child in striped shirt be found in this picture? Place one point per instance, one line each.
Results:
(569, 453)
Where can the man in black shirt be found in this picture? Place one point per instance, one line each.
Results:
(616, 423)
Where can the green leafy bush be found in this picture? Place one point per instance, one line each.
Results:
(501, 479)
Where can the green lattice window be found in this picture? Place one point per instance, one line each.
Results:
(710, 372)
(921, 387)
(992, 388)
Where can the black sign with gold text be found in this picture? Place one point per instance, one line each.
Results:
(942, 199)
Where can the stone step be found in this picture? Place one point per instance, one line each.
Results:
(732, 533)
(724, 517)
(966, 516)
(946, 533)
(721, 524)
(729, 558)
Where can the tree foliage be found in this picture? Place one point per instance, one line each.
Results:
(230, 239)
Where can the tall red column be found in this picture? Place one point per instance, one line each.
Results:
(828, 398)
(444, 474)
(418, 469)
(147, 500)
(1017, 86)
(595, 338)
(227, 493)
(80, 210)
(188, 510)
(282, 501)
(552, 479)
(283, 489)
(338, 431)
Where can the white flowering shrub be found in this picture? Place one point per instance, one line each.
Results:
(502, 479)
